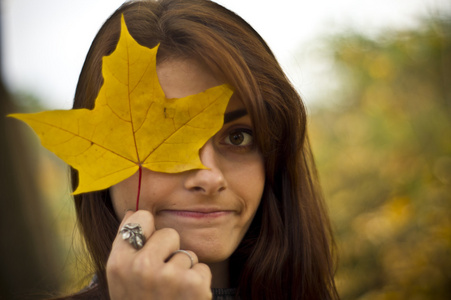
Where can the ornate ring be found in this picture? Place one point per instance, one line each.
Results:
(133, 233)
(185, 252)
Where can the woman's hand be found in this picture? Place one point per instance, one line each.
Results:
(147, 273)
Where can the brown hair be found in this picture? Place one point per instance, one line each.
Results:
(287, 252)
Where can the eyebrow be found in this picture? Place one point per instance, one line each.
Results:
(234, 115)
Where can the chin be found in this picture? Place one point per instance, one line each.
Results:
(208, 251)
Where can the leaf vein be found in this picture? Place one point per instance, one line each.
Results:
(87, 139)
(142, 123)
(130, 101)
(139, 80)
(116, 114)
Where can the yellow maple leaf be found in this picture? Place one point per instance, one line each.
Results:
(132, 124)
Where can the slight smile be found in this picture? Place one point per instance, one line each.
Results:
(197, 214)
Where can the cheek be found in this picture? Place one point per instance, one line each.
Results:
(248, 181)
(123, 195)
(155, 188)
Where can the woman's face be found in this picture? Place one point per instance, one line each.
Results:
(212, 208)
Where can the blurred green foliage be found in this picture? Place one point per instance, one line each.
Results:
(383, 148)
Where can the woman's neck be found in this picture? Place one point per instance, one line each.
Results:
(220, 272)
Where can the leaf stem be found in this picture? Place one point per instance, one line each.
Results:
(139, 186)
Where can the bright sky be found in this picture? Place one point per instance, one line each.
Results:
(45, 41)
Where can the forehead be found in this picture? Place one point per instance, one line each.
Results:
(183, 77)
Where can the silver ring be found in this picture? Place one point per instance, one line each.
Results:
(133, 233)
(185, 252)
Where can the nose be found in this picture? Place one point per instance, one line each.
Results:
(207, 181)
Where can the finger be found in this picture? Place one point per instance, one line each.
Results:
(185, 258)
(203, 270)
(122, 252)
(144, 219)
(162, 243)
(124, 219)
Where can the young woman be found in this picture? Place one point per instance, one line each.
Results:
(253, 224)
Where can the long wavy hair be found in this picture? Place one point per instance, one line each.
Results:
(287, 252)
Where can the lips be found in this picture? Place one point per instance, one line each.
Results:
(197, 213)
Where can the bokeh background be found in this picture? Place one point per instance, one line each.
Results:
(376, 77)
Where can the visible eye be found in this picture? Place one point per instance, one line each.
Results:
(240, 137)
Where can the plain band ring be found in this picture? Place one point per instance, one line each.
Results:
(185, 252)
(133, 233)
